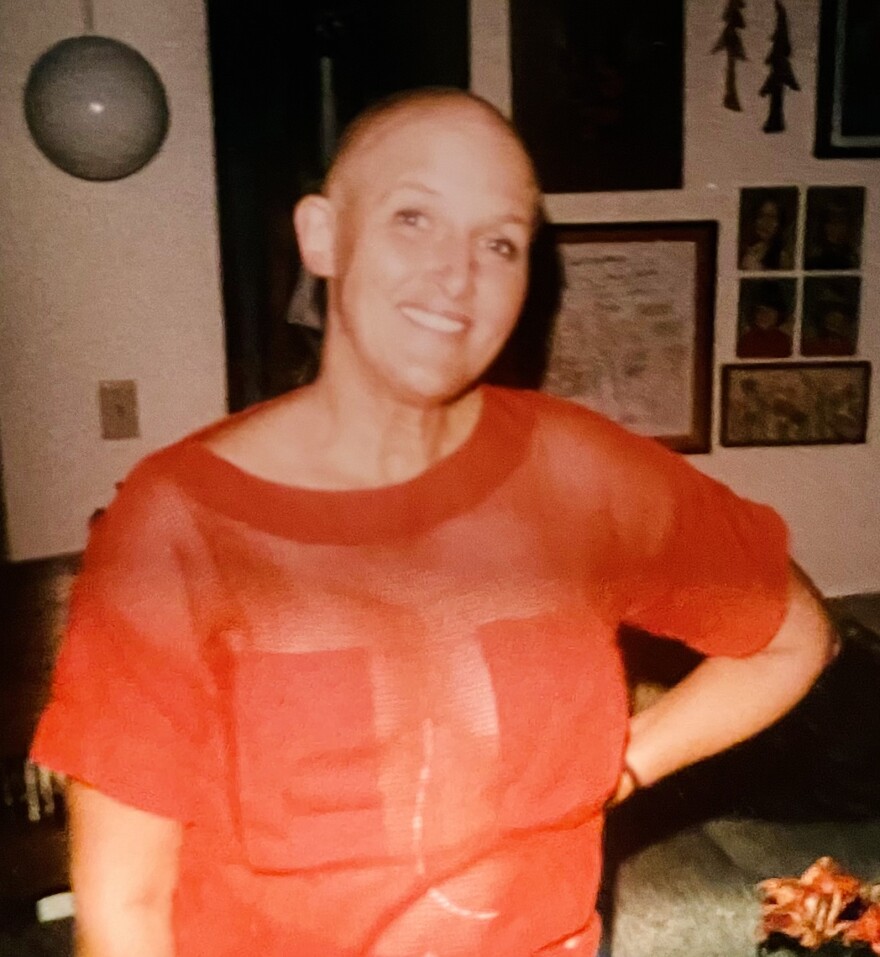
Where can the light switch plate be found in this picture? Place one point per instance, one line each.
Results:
(117, 401)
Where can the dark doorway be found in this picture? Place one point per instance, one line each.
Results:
(286, 76)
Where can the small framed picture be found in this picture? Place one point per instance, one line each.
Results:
(794, 403)
(767, 228)
(833, 236)
(766, 318)
(830, 324)
(848, 82)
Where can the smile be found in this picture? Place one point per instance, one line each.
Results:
(435, 321)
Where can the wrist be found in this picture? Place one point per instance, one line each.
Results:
(636, 779)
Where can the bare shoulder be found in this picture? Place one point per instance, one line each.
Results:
(274, 441)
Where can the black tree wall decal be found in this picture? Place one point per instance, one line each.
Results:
(781, 74)
(731, 42)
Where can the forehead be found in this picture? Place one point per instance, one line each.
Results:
(452, 149)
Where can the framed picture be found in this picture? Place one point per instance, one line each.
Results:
(848, 87)
(833, 235)
(598, 92)
(633, 336)
(766, 318)
(794, 403)
(830, 324)
(767, 228)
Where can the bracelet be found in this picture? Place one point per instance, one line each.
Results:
(638, 784)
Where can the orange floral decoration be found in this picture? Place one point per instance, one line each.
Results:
(865, 928)
(823, 904)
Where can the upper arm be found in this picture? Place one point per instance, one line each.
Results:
(132, 707)
(121, 857)
(705, 565)
(806, 631)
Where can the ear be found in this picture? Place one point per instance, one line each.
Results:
(314, 221)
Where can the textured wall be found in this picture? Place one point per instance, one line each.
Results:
(102, 280)
(827, 494)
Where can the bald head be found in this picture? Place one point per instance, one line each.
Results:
(423, 233)
(374, 126)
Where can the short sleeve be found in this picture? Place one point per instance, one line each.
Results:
(717, 577)
(131, 700)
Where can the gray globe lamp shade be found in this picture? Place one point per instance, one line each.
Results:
(96, 108)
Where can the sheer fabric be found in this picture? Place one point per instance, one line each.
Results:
(389, 719)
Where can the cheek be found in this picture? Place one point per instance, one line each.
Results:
(372, 271)
(507, 291)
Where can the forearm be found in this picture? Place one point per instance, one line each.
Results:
(135, 931)
(123, 871)
(726, 700)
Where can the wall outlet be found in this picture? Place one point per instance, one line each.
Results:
(117, 401)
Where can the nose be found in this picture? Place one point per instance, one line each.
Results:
(455, 265)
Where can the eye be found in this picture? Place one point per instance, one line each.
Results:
(410, 217)
(503, 247)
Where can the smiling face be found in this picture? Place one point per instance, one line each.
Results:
(428, 224)
(767, 220)
(766, 316)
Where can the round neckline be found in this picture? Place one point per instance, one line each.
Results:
(451, 485)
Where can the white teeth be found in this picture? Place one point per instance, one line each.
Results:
(433, 320)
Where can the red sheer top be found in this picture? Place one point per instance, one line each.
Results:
(389, 719)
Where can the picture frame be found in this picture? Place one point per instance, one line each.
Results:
(633, 336)
(830, 321)
(768, 228)
(834, 226)
(795, 403)
(766, 318)
(848, 81)
(597, 92)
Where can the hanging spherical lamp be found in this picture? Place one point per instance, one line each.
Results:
(95, 107)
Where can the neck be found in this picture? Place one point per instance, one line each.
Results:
(379, 439)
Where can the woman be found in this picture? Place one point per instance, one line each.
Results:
(341, 676)
(768, 246)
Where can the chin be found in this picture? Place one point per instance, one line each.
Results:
(429, 388)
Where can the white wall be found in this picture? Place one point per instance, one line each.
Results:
(829, 495)
(102, 280)
(121, 280)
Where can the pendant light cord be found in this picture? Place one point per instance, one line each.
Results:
(88, 13)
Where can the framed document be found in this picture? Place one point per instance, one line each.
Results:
(633, 334)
